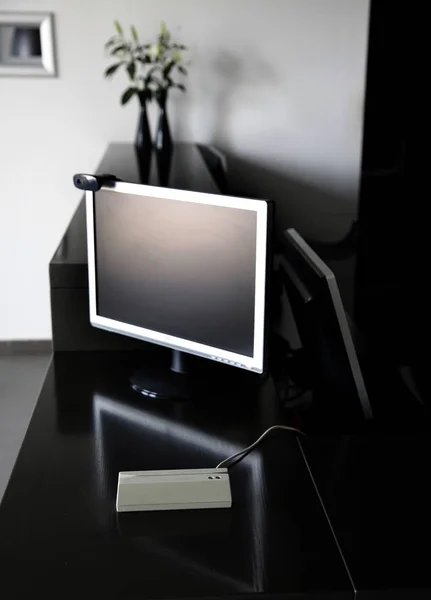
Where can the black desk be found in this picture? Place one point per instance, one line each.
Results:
(59, 532)
(60, 535)
(61, 538)
(376, 492)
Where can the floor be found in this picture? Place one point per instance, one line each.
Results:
(21, 378)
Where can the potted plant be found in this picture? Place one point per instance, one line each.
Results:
(136, 59)
(151, 69)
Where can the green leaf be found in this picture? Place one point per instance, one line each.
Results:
(150, 75)
(111, 42)
(168, 68)
(145, 60)
(131, 69)
(118, 28)
(181, 87)
(158, 82)
(165, 35)
(131, 91)
(120, 48)
(182, 70)
(134, 33)
(146, 93)
(111, 70)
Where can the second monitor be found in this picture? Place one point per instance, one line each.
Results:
(183, 270)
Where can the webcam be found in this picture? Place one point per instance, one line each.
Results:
(93, 183)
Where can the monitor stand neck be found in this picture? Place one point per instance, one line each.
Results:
(179, 362)
(164, 383)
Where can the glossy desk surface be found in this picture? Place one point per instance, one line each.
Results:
(375, 488)
(60, 536)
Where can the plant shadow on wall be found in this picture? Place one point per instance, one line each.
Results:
(230, 80)
(237, 86)
(152, 69)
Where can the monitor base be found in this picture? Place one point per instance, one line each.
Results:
(165, 384)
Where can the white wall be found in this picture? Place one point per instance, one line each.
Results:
(278, 84)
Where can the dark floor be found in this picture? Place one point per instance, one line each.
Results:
(21, 378)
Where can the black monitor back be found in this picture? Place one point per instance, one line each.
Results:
(329, 355)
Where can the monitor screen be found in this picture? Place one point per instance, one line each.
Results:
(181, 269)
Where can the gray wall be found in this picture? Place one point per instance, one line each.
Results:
(277, 84)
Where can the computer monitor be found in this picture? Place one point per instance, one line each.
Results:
(181, 269)
(330, 358)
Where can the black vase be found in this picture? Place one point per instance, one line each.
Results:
(143, 142)
(163, 135)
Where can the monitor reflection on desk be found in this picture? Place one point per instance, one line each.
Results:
(128, 438)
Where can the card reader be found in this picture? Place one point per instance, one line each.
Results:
(173, 490)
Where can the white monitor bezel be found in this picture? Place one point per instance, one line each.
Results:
(254, 363)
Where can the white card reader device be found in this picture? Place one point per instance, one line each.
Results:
(173, 490)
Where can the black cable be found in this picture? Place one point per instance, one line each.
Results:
(243, 453)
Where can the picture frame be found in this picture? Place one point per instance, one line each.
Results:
(27, 44)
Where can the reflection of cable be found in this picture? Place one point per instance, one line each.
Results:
(243, 453)
(288, 361)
